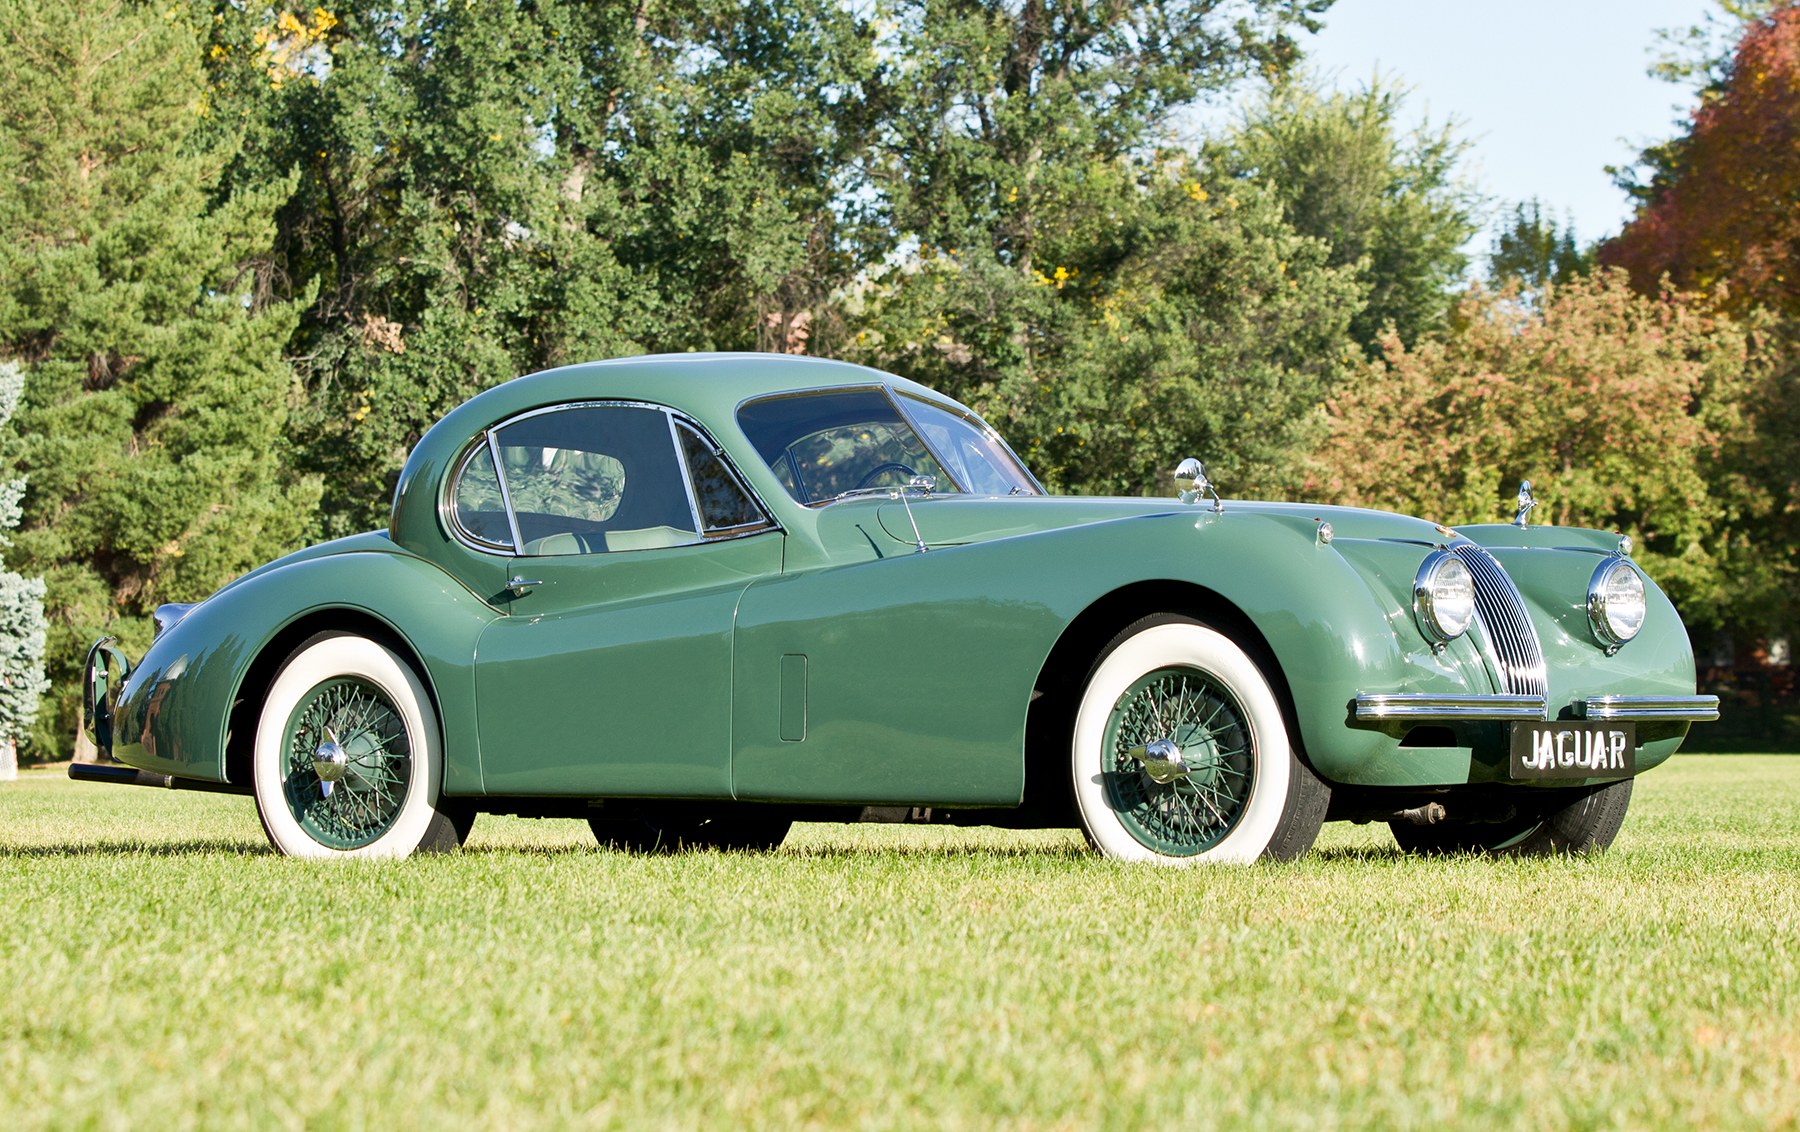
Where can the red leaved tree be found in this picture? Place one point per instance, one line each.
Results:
(1723, 206)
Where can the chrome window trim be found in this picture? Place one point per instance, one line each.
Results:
(447, 499)
(893, 399)
(687, 475)
(955, 409)
(737, 530)
(489, 437)
(512, 514)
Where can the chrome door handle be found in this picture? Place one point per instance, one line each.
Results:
(521, 586)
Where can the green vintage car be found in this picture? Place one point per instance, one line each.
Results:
(695, 598)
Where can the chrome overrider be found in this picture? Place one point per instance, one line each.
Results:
(1380, 707)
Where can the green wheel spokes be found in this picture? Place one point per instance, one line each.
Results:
(1196, 810)
(360, 718)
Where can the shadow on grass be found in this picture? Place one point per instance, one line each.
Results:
(214, 847)
(1379, 854)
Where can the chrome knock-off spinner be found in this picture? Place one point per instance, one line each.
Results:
(331, 763)
(1162, 761)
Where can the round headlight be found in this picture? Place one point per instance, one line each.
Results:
(1444, 597)
(1616, 605)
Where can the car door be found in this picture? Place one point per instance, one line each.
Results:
(611, 674)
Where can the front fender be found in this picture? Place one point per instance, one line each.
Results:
(174, 710)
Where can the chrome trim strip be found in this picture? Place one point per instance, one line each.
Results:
(1697, 708)
(512, 517)
(1431, 705)
(687, 474)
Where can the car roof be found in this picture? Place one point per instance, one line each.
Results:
(707, 387)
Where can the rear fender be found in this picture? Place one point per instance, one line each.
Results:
(174, 711)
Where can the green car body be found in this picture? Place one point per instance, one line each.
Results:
(893, 648)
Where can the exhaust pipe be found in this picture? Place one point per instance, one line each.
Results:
(1429, 814)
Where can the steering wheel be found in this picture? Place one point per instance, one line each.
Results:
(881, 470)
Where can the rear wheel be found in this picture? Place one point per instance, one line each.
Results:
(1180, 753)
(1551, 823)
(347, 759)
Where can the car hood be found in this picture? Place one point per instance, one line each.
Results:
(947, 520)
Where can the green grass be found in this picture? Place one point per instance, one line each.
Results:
(161, 968)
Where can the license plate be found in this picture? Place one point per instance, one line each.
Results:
(1574, 750)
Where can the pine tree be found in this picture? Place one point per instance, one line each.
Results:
(21, 611)
(153, 422)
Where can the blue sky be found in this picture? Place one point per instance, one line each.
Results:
(1549, 92)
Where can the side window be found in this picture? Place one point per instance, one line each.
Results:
(726, 509)
(595, 478)
(480, 508)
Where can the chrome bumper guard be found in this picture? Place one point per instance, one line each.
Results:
(1697, 709)
(1382, 706)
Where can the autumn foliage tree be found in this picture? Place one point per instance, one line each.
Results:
(1722, 206)
(1618, 408)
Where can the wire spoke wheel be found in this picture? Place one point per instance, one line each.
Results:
(1179, 753)
(1196, 809)
(360, 719)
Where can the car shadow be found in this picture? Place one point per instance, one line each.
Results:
(1381, 853)
(213, 847)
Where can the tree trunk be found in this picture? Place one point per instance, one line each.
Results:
(85, 751)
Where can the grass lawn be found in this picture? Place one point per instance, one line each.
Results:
(162, 968)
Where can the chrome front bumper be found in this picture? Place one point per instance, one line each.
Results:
(1698, 709)
(1388, 707)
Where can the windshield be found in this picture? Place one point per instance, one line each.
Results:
(821, 445)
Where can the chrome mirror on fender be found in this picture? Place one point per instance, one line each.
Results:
(1190, 477)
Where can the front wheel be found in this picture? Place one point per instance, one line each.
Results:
(1549, 823)
(348, 761)
(1180, 753)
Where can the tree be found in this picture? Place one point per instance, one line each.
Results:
(1721, 207)
(1534, 250)
(488, 189)
(1057, 269)
(1621, 410)
(153, 423)
(1387, 202)
(22, 679)
(1175, 322)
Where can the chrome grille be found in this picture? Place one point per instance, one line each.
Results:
(1501, 609)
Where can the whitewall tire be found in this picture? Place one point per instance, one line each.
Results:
(347, 760)
(1180, 753)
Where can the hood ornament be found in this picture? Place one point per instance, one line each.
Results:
(1526, 502)
(1190, 477)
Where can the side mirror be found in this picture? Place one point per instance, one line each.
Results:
(1190, 477)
